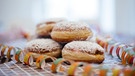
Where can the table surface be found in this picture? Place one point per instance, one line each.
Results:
(18, 69)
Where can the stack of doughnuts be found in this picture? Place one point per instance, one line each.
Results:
(73, 35)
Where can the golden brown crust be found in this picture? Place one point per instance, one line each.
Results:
(52, 54)
(70, 31)
(67, 36)
(85, 57)
(83, 51)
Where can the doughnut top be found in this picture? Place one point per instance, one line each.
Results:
(84, 46)
(42, 45)
(67, 26)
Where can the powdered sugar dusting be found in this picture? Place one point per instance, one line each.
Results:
(42, 45)
(84, 46)
(65, 25)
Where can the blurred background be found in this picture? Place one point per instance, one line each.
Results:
(109, 16)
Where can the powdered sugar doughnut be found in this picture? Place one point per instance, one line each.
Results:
(44, 29)
(70, 31)
(43, 47)
(83, 51)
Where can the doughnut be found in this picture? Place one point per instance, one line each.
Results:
(70, 31)
(83, 51)
(43, 47)
(44, 29)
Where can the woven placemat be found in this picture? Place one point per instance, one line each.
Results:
(19, 69)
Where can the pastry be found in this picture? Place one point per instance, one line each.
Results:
(43, 47)
(83, 51)
(70, 31)
(44, 29)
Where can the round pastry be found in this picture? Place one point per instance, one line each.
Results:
(70, 31)
(44, 29)
(83, 51)
(43, 47)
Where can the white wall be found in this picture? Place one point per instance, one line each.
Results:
(117, 15)
(107, 16)
(125, 16)
(16, 12)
